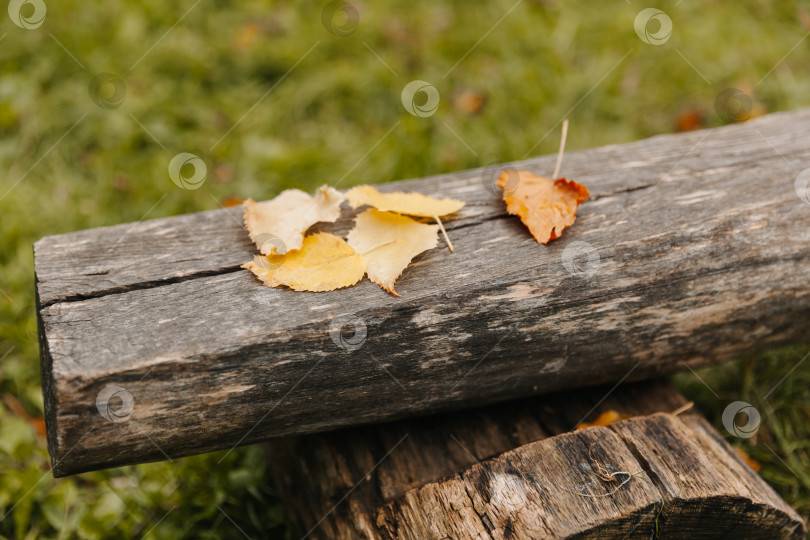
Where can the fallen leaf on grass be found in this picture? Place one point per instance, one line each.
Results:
(37, 422)
(469, 101)
(389, 242)
(544, 205)
(325, 262)
(751, 462)
(690, 120)
(804, 18)
(278, 226)
(605, 419)
(231, 201)
(412, 204)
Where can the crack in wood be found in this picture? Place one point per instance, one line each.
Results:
(138, 286)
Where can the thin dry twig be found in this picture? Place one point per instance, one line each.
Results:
(606, 476)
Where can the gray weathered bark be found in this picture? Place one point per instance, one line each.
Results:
(692, 250)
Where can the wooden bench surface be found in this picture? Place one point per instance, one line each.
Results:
(699, 254)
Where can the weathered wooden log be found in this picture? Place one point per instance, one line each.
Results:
(692, 250)
(516, 471)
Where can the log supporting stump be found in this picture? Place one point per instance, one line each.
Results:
(516, 470)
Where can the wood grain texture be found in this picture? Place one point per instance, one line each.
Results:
(516, 471)
(698, 254)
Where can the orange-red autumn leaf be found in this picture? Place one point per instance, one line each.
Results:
(690, 120)
(469, 101)
(37, 422)
(605, 419)
(751, 462)
(545, 206)
(231, 201)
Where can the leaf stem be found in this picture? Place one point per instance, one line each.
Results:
(444, 233)
(562, 149)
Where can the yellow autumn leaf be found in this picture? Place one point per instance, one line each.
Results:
(325, 262)
(389, 242)
(412, 204)
(278, 226)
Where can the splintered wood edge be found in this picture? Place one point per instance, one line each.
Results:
(684, 480)
(684, 484)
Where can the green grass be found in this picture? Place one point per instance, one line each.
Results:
(777, 384)
(335, 118)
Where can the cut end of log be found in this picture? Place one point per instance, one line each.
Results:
(515, 471)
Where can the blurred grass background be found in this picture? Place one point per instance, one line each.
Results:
(270, 99)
